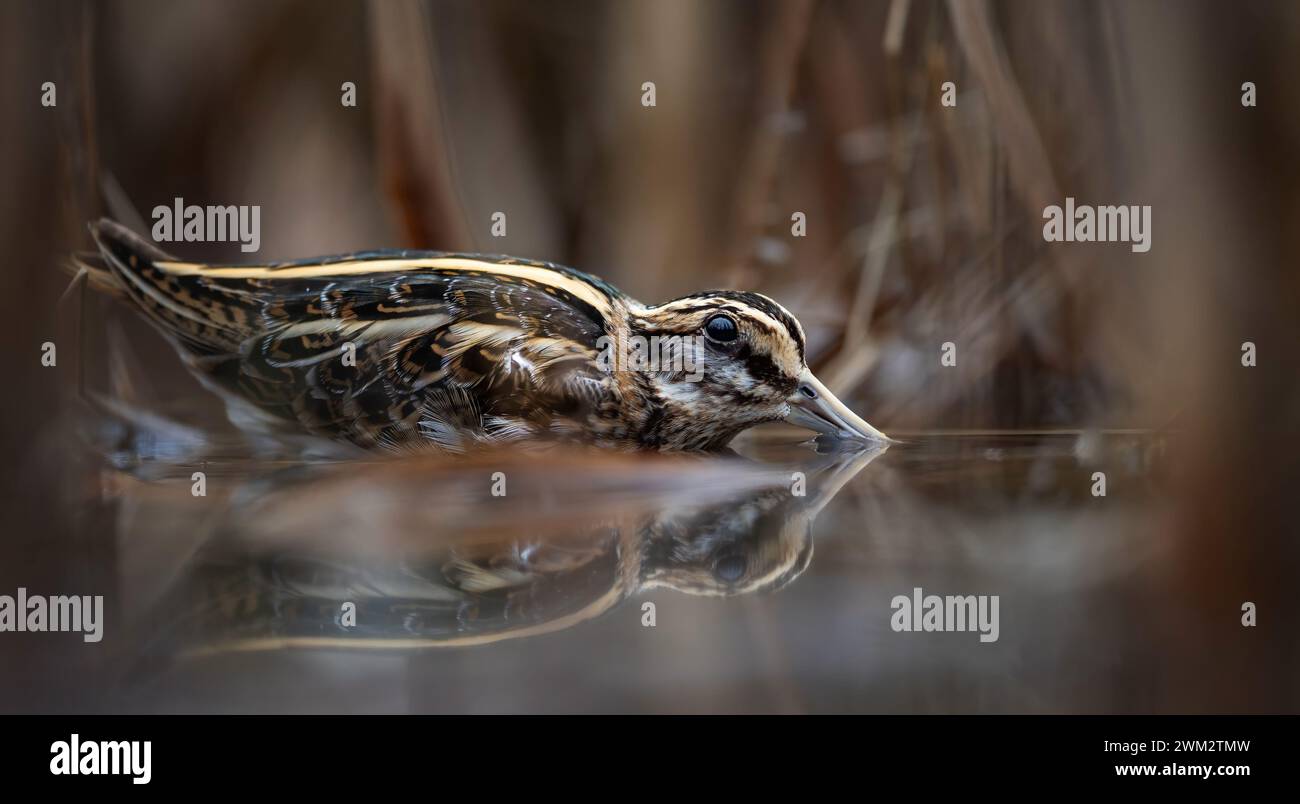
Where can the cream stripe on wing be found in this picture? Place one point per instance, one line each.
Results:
(545, 276)
(385, 327)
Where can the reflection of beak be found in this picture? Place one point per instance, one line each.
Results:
(844, 468)
(815, 407)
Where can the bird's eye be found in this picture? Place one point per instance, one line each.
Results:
(729, 568)
(721, 329)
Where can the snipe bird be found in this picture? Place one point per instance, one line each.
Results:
(409, 348)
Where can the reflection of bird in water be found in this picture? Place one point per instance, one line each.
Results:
(277, 579)
(401, 349)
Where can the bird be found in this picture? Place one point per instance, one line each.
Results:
(394, 350)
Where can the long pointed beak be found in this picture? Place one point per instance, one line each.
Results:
(815, 407)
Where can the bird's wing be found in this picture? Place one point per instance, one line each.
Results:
(382, 348)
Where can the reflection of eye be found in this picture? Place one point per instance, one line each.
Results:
(721, 329)
(729, 568)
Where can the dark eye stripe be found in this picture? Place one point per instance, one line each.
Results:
(762, 369)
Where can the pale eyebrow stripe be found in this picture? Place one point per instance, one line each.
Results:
(751, 311)
(711, 302)
(545, 276)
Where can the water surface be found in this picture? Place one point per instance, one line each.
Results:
(770, 572)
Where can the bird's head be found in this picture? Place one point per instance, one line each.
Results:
(723, 361)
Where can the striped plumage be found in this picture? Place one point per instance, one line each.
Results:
(402, 348)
